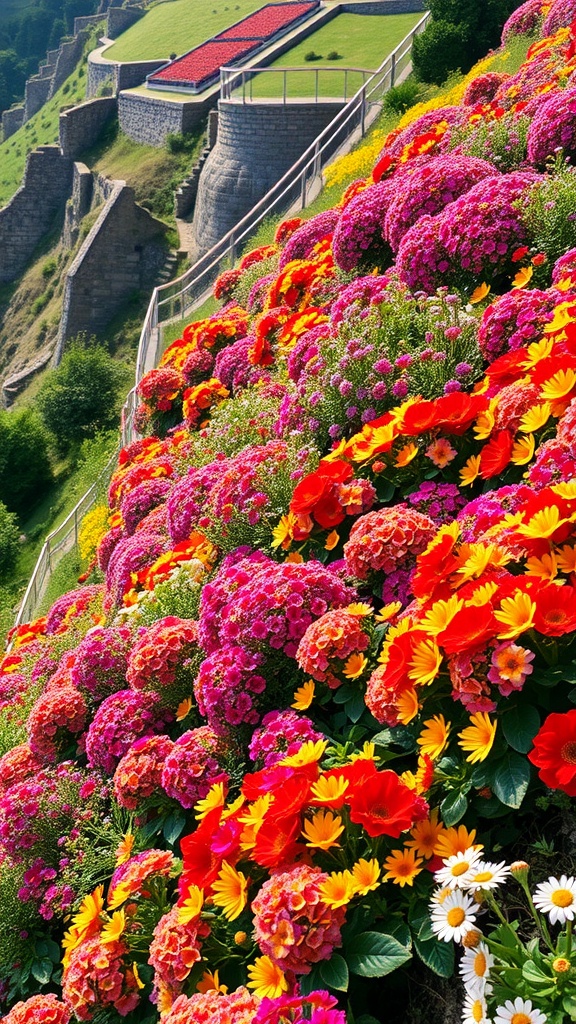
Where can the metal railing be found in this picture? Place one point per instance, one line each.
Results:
(176, 299)
(241, 81)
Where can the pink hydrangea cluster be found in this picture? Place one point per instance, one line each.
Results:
(129, 556)
(13, 687)
(554, 463)
(387, 540)
(483, 88)
(513, 402)
(69, 605)
(301, 243)
(120, 720)
(40, 1009)
(159, 387)
(98, 977)
(291, 923)
(281, 734)
(422, 259)
(101, 661)
(193, 765)
(174, 950)
(441, 502)
(233, 367)
(428, 189)
(198, 366)
(553, 127)
(514, 320)
(213, 1007)
(274, 609)
(356, 298)
(164, 658)
(55, 722)
(138, 502)
(236, 570)
(136, 872)
(561, 14)
(317, 1007)
(524, 20)
(358, 240)
(307, 348)
(139, 773)
(106, 546)
(188, 497)
(329, 642)
(228, 687)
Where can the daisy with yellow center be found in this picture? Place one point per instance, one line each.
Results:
(488, 876)
(366, 876)
(425, 835)
(475, 1009)
(402, 867)
(535, 418)
(215, 797)
(454, 916)
(516, 614)
(523, 277)
(407, 705)
(475, 967)
(566, 558)
(434, 736)
(308, 753)
(543, 524)
(388, 611)
(478, 737)
(405, 455)
(359, 608)
(537, 351)
(114, 928)
(323, 830)
(229, 891)
(329, 789)
(425, 662)
(559, 385)
(355, 666)
(367, 753)
(556, 897)
(523, 450)
(266, 979)
(337, 890)
(520, 1011)
(457, 870)
(192, 905)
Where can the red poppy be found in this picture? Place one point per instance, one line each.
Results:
(555, 610)
(470, 628)
(200, 864)
(554, 752)
(309, 492)
(496, 454)
(507, 368)
(434, 566)
(451, 413)
(384, 805)
(277, 842)
(329, 512)
(382, 167)
(277, 778)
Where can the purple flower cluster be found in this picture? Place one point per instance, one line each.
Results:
(233, 367)
(281, 734)
(553, 127)
(63, 605)
(188, 498)
(356, 298)
(120, 720)
(141, 500)
(524, 20)
(228, 686)
(300, 244)
(101, 661)
(198, 366)
(305, 350)
(441, 502)
(480, 514)
(514, 319)
(260, 604)
(358, 239)
(561, 14)
(193, 765)
(130, 555)
(565, 266)
(429, 189)
(427, 122)
(555, 462)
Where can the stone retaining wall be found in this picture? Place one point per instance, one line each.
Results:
(36, 93)
(78, 204)
(118, 76)
(66, 60)
(121, 18)
(80, 126)
(34, 209)
(383, 7)
(12, 120)
(87, 21)
(149, 120)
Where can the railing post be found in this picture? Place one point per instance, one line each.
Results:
(232, 248)
(346, 84)
(316, 74)
(284, 89)
(392, 69)
(76, 527)
(303, 189)
(363, 112)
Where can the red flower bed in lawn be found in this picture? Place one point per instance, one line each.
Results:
(268, 20)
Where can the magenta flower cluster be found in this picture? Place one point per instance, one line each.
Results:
(514, 320)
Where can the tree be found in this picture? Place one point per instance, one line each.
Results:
(25, 469)
(460, 32)
(82, 396)
(9, 542)
(442, 48)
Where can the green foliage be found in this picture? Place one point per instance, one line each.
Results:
(312, 55)
(442, 48)
(401, 97)
(82, 396)
(460, 33)
(333, 55)
(9, 541)
(25, 470)
(176, 142)
(550, 215)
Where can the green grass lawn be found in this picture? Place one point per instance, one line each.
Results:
(176, 26)
(362, 41)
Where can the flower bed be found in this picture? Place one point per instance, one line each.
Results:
(310, 721)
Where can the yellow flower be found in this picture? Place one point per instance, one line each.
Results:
(482, 595)
(359, 608)
(425, 835)
(480, 293)
(407, 705)
(266, 978)
(406, 454)
(455, 840)
(476, 558)
(337, 890)
(184, 708)
(211, 983)
(366, 876)
(70, 940)
(304, 696)
(323, 830)
(566, 558)
(308, 753)
(470, 471)
(355, 666)
(425, 662)
(137, 977)
(434, 736)
(229, 891)
(283, 532)
(192, 905)
(559, 385)
(545, 567)
(215, 797)
(388, 611)
(543, 523)
(118, 895)
(88, 912)
(523, 450)
(329, 789)
(537, 350)
(440, 615)
(484, 424)
(535, 418)
(478, 737)
(523, 277)
(92, 528)
(256, 811)
(114, 928)
(402, 867)
(517, 613)
(124, 849)
(295, 558)
(366, 754)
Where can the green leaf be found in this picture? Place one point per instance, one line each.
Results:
(384, 488)
(312, 981)
(173, 826)
(453, 808)
(520, 726)
(355, 707)
(42, 970)
(569, 1005)
(511, 779)
(373, 955)
(438, 956)
(398, 929)
(334, 973)
(532, 974)
(400, 736)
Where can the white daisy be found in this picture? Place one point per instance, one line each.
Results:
(519, 1012)
(488, 876)
(475, 968)
(557, 898)
(475, 1010)
(454, 917)
(458, 869)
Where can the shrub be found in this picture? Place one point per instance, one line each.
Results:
(25, 470)
(312, 55)
(440, 49)
(400, 97)
(333, 55)
(9, 540)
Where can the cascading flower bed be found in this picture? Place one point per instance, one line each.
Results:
(305, 739)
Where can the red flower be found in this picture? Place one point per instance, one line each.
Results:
(496, 454)
(384, 805)
(200, 865)
(470, 628)
(555, 610)
(451, 413)
(555, 752)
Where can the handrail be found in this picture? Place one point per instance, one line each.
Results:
(232, 79)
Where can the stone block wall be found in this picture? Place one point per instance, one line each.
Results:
(118, 76)
(78, 204)
(257, 143)
(34, 209)
(87, 21)
(80, 126)
(67, 58)
(150, 120)
(121, 18)
(134, 72)
(35, 95)
(122, 252)
(12, 120)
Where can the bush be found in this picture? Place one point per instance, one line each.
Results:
(82, 396)
(9, 542)
(25, 470)
(401, 97)
(176, 143)
(312, 55)
(460, 33)
(333, 55)
(441, 49)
